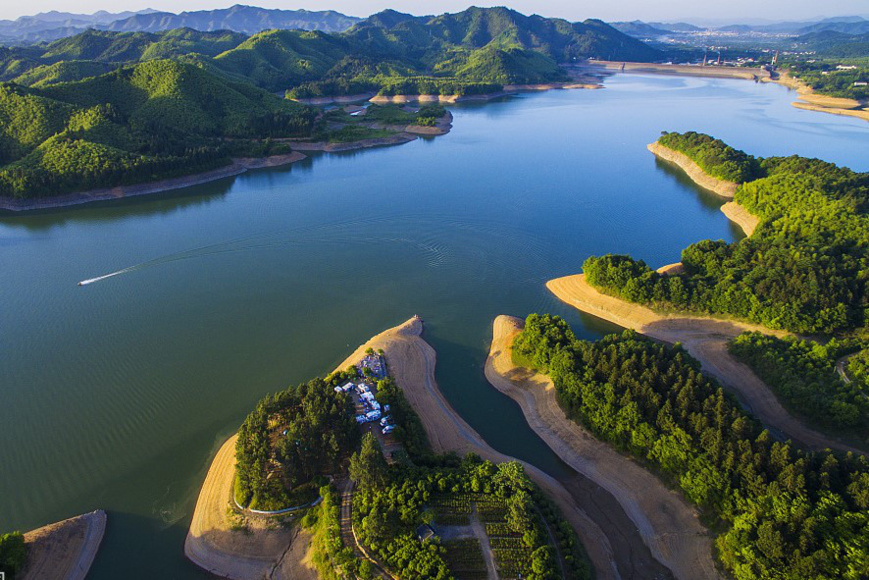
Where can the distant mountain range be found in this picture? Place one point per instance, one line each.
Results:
(845, 24)
(50, 26)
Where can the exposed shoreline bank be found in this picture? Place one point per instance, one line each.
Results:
(705, 338)
(725, 189)
(680, 69)
(579, 83)
(668, 524)
(64, 550)
(809, 100)
(736, 213)
(237, 167)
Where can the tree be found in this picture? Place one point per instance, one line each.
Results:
(13, 553)
(367, 466)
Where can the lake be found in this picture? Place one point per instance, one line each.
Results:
(117, 394)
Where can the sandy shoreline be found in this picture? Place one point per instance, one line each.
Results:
(237, 167)
(64, 550)
(253, 554)
(705, 338)
(213, 546)
(809, 100)
(725, 189)
(667, 523)
(741, 217)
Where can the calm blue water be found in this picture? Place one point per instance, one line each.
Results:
(116, 395)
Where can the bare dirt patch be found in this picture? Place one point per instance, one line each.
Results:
(64, 550)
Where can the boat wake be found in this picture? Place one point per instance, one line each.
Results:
(98, 278)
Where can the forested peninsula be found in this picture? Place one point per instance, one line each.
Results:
(803, 269)
(373, 497)
(102, 109)
(785, 513)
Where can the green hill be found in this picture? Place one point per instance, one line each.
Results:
(513, 48)
(138, 123)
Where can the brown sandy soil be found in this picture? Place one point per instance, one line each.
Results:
(812, 101)
(237, 167)
(412, 362)
(680, 69)
(671, 269)
(64, 550)
(861, 113)
(296, 563)
(741, 217)
(667, 523)
(725, 189)
(212, 544)
(705, 338)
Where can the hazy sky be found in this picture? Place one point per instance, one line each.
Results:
(727, 10)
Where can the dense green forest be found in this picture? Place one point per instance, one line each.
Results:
(103, 108)
(803, 375)
(295, 437)
(479, 45)
(153, 120)
(13, 554)
(290, 441)
(788, 514)
(804, 269)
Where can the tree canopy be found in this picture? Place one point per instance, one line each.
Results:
(789, 514)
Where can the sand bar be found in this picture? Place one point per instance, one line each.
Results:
(705, 338)
(237, 167)
(668, 524)
(64, 550)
